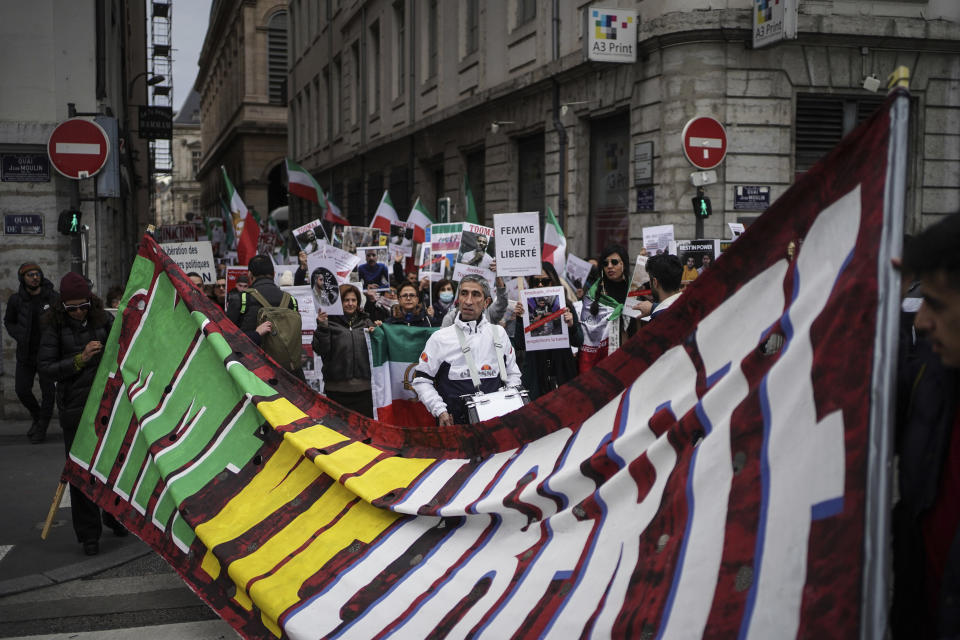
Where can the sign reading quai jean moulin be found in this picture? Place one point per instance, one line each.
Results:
(611, 35)
(23, 224)
(751, 197)
(773, 21)
(25, 167)
(156, 123)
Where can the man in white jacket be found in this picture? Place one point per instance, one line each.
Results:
(443, 374)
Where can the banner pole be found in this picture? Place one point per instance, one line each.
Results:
(879, 486)
(57, 497)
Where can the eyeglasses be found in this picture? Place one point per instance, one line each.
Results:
(612, 262)
(32, 274)
(408, 295)
(540, 282)
(76, 307)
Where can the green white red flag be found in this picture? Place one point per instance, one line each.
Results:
(420, 219)
(386, 215)
(302, 184)
(554, 243)
(248, 228)
(394, 352)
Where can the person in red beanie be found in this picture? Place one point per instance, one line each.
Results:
(35, 297)
(71, 344)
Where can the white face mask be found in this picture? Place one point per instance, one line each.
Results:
(446, 296)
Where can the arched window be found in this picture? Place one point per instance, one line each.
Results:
(277, 58)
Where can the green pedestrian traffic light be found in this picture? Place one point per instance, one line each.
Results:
(701, 207)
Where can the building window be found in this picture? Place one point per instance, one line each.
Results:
(326, 87)
(399, 47)
(308, 122)
(336, 93)
(432, 39)
(471, 25)
(526, 11)
(530, 162)
(476, 175)
(373, 68)
(355, 82)
(277, 58)
(195, 160)
(375, 191)
(822, 120)
(318, 112)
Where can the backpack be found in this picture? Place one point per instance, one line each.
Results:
(283, 343)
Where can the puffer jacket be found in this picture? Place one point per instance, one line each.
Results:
(22, 315)
(342, 345)
(61, 340)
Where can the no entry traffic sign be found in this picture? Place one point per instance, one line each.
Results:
(704, 142)
(78, 148)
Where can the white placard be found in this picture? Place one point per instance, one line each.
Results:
(444, 247)
(518, 243)
(538, 304)
(193, 256)
(401, 239)
(476, 253)
(577, 272)
(312, 364)
(429, 266)
(309, 237)
(639, 278)
(736, 229)
(305, 305)
(325, 285)
(345, 263)
(657, 239)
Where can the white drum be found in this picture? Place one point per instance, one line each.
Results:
(484, 406)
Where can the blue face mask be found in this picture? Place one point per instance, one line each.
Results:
(446, 296)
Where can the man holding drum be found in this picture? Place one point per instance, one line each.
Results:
(470, 356)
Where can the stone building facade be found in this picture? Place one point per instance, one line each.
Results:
(413, 96)
(177, 196)
(91, 54)
(243, 106)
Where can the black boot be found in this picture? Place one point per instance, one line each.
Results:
(38, 431)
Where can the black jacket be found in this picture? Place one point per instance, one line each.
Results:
(420, 319)
(22, 318)
(545, 369)
(62, 339)
(245, 315)
(342, 344)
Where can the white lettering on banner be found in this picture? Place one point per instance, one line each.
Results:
(735, 328)
(804, 458)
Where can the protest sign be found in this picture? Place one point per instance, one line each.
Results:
(307, 237)
(354, 237)
(518, 243)
(475, 255)
(577, 272)
(401, 239)
(325, 284)
(657, 239)
(543, 325)
(344, 263)
(312, 364)
(445, 243)
(305, 305)
(637, 287)
(736, 229)
(428, 266)
(194, 257)
(691, 254)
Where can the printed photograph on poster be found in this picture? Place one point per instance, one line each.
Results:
(344, 262)
(444, 246)
(517, 248)
(476, 252)
(312, 364)
(309, 238)
(577, 271)
(336, 235)
(305, 305)
(695, 256)
(326, 287)
(354, 237)
(657, 239)
(639, 284)
(427, 266)
(401, 239)
(543, 325)
(237, 281)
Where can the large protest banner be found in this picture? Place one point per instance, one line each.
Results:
(709, 478)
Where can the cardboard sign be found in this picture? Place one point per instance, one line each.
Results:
(445, 243)
(657, 239)
(543, 325)
(194, 256)
(577, 272)
(476, 253)
(518, 243)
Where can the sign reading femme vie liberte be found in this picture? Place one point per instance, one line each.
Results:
(78, 148)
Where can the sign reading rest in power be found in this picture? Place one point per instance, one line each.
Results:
(78, 148)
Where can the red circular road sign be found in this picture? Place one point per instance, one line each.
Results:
(704, 142)
(78, 148)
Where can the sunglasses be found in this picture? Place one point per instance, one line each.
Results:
(540, 282)
(76, 307)
(612, 262)
(32, 274)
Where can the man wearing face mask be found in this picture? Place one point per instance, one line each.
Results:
(472, 346)
(665, 272)
(35, 296)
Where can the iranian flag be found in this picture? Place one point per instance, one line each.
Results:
(554, 243)
(334, 215)
(301, 184)
(386, 215)
(394, 351)
(471, 204)
(420, 219)
(248, 229)
(601, 334)
(229, 226)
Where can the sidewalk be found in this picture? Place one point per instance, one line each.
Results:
(29, 474)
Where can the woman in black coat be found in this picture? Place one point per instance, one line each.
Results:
(71, 344)
(409, 310)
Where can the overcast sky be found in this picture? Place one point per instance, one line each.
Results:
(189, 25)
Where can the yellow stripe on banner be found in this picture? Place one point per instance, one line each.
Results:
(275, 485)
(276, 593)
(388, 475)
(348, 459)
(315, 437)
(279, 412)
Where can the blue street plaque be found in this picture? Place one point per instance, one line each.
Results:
(25, 167)
(645, 199)
(751, 197)
(23, 224)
